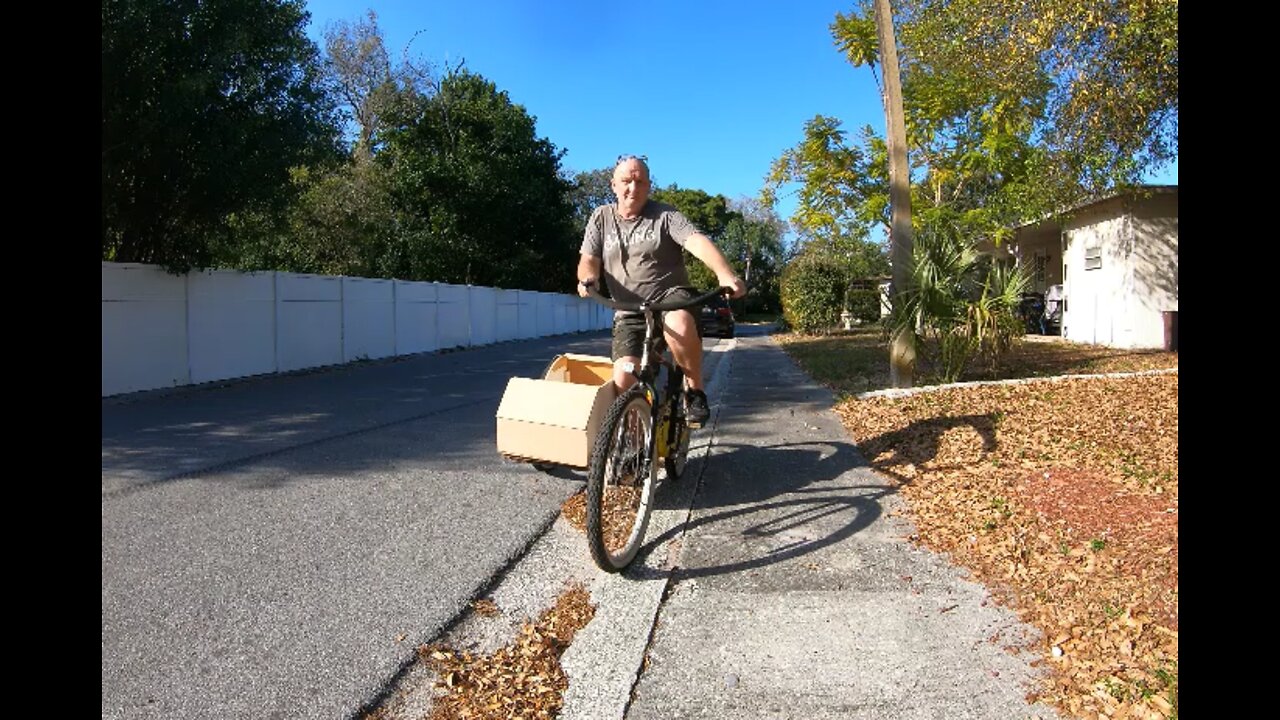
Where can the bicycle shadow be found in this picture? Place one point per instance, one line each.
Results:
(779, 502)
(783, 501)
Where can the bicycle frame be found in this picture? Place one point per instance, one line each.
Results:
(664, 401)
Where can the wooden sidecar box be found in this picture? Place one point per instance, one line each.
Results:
(555, 419)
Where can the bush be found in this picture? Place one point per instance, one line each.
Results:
(865, 305)
(960, 304)
(813, 293)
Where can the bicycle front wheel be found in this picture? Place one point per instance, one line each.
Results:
(620, 481)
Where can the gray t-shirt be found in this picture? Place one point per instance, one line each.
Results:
(643, 256)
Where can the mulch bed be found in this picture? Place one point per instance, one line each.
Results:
(1062, 497)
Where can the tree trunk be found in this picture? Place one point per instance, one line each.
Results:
(902, 351)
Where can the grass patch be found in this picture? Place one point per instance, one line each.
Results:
(848, 362)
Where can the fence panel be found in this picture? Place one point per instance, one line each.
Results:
(508, 316)
(231, 324)
(144, 328)
(546, 314)
(527, 315)
(453, 316)
(484, 314)
(368, 319)
(415, 317)
(308, 321)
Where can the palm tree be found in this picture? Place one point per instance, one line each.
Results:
(961, 304)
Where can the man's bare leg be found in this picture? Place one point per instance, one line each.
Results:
(681, 331)
(621, 378)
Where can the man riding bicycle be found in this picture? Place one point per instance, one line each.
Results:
(637, 244)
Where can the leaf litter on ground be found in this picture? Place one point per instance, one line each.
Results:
(1061, 496)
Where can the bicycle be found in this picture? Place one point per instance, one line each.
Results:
(645, 426)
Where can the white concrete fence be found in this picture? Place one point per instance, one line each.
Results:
(162, 331)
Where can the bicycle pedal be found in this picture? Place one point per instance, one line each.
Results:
(693, 425)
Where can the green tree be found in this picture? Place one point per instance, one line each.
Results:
(843, 191)
(711, 215)
(1110, 66)
(970, 145)
(753, 244)
(479, 195)
(1079, 96)
(205, 109)
(359, 71)
(842, 187)
(589, 190)
(341, 223)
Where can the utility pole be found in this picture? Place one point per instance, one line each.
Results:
(902, 350)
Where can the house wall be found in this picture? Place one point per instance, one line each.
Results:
(161, 330)
(1096, 299)
(1120, 304)
(1155, 268)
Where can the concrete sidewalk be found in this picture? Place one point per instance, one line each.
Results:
(796, 592)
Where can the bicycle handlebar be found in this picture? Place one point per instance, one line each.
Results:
(654, 306)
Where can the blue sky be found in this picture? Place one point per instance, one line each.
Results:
(712, 91)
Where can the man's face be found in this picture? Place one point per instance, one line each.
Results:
(631, 184)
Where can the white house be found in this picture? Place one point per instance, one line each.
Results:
(1116, 259)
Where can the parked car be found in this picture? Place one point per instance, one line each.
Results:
(716, 319)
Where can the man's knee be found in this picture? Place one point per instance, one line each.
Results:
(681, 329)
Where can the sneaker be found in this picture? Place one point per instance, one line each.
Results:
(696, 410)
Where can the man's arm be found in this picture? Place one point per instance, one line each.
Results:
(588, 270)
(701, 247)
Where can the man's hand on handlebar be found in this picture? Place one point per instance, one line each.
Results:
(735, 282)
(585, 287)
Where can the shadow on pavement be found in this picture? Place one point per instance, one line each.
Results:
(757, 489)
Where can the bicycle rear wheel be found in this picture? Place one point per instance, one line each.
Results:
(620, 481)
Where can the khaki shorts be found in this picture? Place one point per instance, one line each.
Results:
(628, 328)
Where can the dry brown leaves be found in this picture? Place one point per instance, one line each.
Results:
(485, 607)
(1062, 497)
(618, 518)
(520, 680)
(575, 510)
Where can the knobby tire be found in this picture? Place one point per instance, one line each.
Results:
(601, 523)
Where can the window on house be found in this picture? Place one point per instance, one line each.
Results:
(1093, 255)
(1041, 262)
